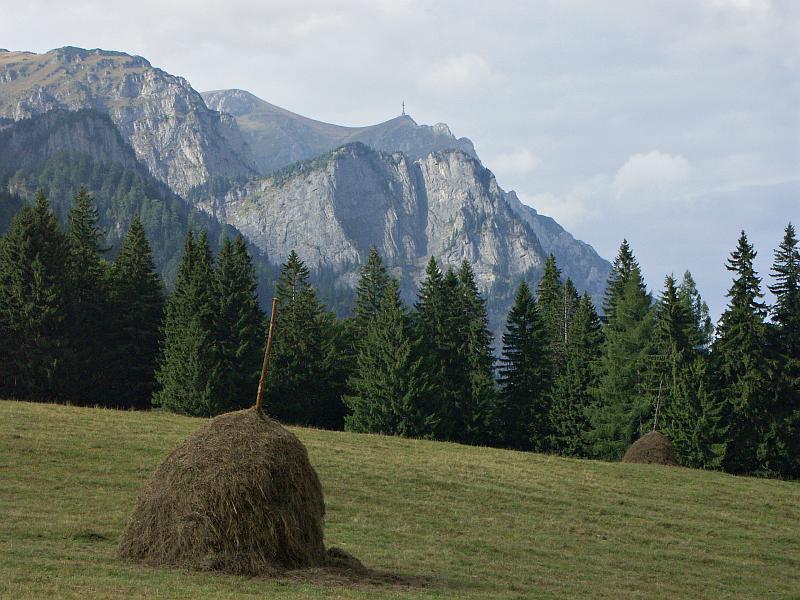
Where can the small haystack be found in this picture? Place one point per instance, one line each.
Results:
(239, 496)
(653, 448)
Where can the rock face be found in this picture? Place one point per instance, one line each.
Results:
(332, 209)
(279, 137)
(164, 120)
(577, 259)
(415, 191)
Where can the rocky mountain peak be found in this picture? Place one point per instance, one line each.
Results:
(280, 137)
(164, 120)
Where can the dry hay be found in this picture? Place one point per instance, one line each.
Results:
(238, 496)
(653, 448)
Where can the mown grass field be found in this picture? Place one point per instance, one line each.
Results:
(469, 522)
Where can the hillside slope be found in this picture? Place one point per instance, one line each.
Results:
(465, 522)
(60, 151)
(164, 120)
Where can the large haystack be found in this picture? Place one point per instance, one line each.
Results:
(239, 495)
(651, 449)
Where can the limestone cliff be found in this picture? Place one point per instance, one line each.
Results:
(164, 120)
(332, 209)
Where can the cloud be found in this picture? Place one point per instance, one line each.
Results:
(653, 171)
(460, 72)
(515, 162)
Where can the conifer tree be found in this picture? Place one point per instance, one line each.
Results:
(550, 301)
(522, 367)
(239, 326)
(569, 306)
(623, 400)
(430, 303)
(390, 391)
(304, 385)
(481, 418)
(90, 318)
(189, 372)
(437, 323)
(34, 303)
(570, 394)
(621, 271)
(692, 417)
(688, 416)
(785, 350)
(701, 329)
(136, 296)
(372, 286)
(739, 364)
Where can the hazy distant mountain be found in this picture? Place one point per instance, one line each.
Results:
(164, 120)
(279, 137)
(413, 190)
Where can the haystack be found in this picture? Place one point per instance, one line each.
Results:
(653, 448)
(239, 496)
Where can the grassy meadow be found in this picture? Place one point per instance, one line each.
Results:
(456, 521)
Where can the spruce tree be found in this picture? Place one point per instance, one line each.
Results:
(136, 296)
(437, 324)
(239, 326)
(481, 418)
(90, 314)
(430, 303)
(740, 365)
(189, 373)
(785, 354)
(390, 391)
(34, 303)
(570, 393)
(622, 406)
(304, 387)
(523, 364)
(550, 301)
(701, 330)
(372, 286)
(621, 271)
(689, 417)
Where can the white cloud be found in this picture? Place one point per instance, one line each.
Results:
(515, 162)
(649, 172)
(464, 71)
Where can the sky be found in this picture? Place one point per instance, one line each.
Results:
(674, 124)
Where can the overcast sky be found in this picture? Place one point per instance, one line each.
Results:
(672, 123)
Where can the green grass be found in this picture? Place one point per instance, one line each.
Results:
(473, 522)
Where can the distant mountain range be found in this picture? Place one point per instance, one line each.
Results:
(229, 160)
(279, 138)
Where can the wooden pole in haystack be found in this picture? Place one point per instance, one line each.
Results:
(265, 366)
(658, 402)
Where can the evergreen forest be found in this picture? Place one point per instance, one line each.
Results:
(84, 323)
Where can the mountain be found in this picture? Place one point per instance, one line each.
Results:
(279, 137)
(60, 151)
(577, 259)
(447, 204)
(333, 208)
(144, 141)
(164, 120)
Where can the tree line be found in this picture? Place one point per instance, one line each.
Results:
(78, 328)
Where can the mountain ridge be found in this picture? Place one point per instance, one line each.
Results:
(280, 137)
(413, 190)
(160, 115)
